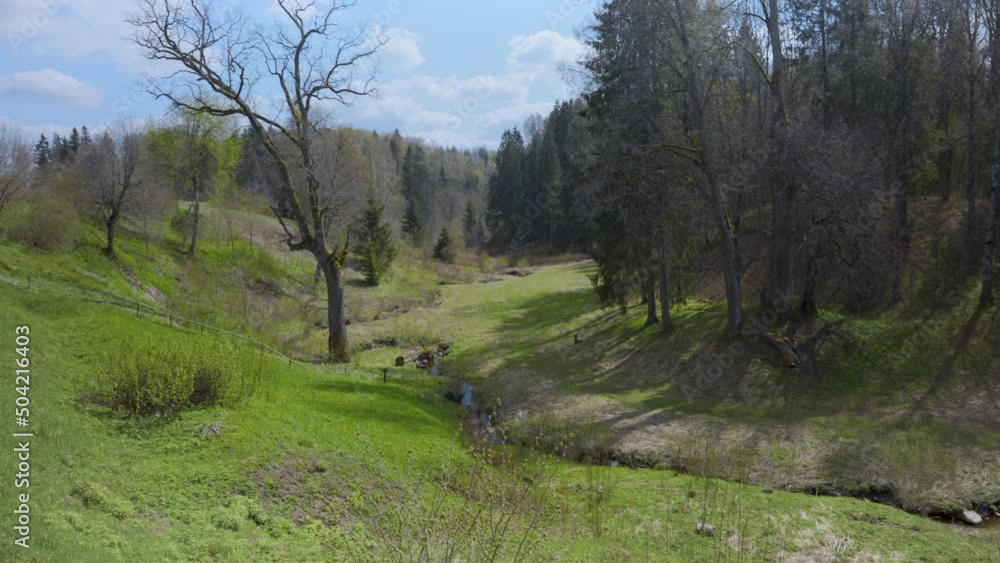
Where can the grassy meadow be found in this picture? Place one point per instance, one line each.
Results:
(330, 463)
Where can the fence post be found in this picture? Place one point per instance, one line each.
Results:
(137, 308)
(385, 375)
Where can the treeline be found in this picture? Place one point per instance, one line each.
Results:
(378, 183)
(539, 195)
(813, 124)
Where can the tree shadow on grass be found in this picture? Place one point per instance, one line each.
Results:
(389, 403)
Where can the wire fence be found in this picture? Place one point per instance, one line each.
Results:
(142, 310)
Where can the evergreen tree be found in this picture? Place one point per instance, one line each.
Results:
(43, 153)
(396, 145)
(85, 136)
(60, 149)
(74, 141)
(472, 226)
(413, 225)
(506, 188)
(375, 249)
(444, 249)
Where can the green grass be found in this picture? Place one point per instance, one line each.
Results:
(320, 459)
(285, 478)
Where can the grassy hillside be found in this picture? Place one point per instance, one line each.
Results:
(334, 464)
(891, 405)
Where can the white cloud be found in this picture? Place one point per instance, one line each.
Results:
(50, 86)
(71, 28)
(402, 50)
(474, 110)
(543, 52)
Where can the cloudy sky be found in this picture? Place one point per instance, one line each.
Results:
(457, 72)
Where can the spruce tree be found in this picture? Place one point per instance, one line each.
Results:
(74, 141)
(85, 136)
(444, 250)
(375, 249)
(413, 225)
(472, 226)
(43, 153)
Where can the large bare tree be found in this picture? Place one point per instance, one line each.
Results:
(109, 169)
(226, 66)
(15, 165)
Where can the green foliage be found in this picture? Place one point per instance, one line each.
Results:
(48, 217)
(472, 226)
(375, 249)
(413, 225)
(152, 378)
(97, 496)
(183, 223)
(444, 249)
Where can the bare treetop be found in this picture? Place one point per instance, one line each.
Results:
(229, 63)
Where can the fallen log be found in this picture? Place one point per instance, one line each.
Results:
(425, 359)
(787, 348)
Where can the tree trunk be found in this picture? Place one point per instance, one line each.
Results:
(337, 345)
(992, 218)
(901, 220)
(970, 179)
(649, 290)
(666, 320)
(809, 307)
(949, 155)
(196, 210)
(784, 195)
(696, 120)
(109, 247)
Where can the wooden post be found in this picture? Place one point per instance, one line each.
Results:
(137, 308)
(385, 375)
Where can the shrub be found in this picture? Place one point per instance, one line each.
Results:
(47, 220)
(444, 250)
(144, 378)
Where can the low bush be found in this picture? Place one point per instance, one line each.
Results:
(46, 220)
(157, 378)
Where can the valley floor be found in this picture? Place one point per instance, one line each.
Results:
(333, 464)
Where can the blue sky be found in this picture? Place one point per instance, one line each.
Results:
(456, 72)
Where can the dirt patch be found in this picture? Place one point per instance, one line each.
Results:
(314, 487)
(142, 288)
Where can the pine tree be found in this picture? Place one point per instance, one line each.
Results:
(413, 225)
(375, 248)
(60, 149)
(74, 141)
(396, 145)
(472, 226)
(43, 154)
(85, 137)
(444, 250)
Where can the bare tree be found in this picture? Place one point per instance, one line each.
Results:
(224, 65)
(704, 137)
(109, 170)
(15, 165)
(993, 215)
(972, 19)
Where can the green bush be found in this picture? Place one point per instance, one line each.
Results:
(46, 221)
(100, 497)
(146, 378)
